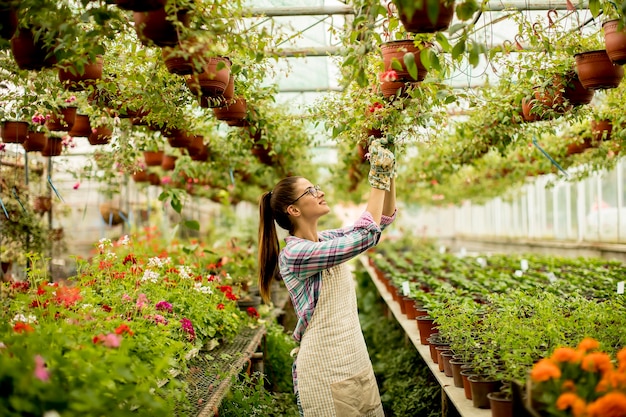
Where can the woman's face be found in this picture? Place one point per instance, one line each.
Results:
(310, 199)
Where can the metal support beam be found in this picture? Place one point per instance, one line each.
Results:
(302, 11)
(309, 51)
(498, 5)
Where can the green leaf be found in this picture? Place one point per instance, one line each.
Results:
(594, 7)
(433, 10)
(396, 65)
(466, 10)
(176, 204)
(409, 61)
(443, 42)
(474, 57)
(192, 224)
(458, 49)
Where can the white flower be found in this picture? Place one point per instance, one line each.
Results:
(103, 243)
(24, 319)
(2, 346)
(110, 255)
(200, 288)
(86, 305)
(51, 413)
(151, 276)
(158, 262)
(184, 271)
(124, 240)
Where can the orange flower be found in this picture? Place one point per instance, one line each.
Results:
(566, 354)
(597, 362)
(612, 404)
(617, 380)
(67, 296)
(568, 385)
(544, 370)
(588, 344)
(573, 401)
(21, 327)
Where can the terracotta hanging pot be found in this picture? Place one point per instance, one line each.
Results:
(72, 79)
(196, 146)
(419, 22)
(202, 156)
(615, 41)
(575, 92)
(42, 204)
(232, 114)
(111, 215)
(154, 27)
(601, 129)
(35, 141)
(141, 176)
(178, 138)
(100, 135)
(213, 80)
(395, 89)
(578, 145)
(169, 162)
(393, 55)
(30, 54)
(14, 132)
(8, 22)
(153, 158)
(63, 120)
(226, 98)
(596, 71)
(140, 5)
(154, 179)
(81, 127)
(54, 146)
(185, 58)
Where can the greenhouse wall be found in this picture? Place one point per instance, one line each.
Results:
(584, 218)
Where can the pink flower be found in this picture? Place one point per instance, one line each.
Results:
(38, 118)
(76, 185)
(389, 76)
(41, 373)
(142, 299)
(112, 340)
(2, 146)
(164, 306)
(166, 180)
(159, 319)
(187, 327)
(71, 99)
(94, 130)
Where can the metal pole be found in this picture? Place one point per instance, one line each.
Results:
(301, 11)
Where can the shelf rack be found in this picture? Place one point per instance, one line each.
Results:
(449, 393)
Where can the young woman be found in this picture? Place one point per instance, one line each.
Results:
(332, 373)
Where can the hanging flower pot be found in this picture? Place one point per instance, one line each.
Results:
(596, 71)
(140, 5)
(196, 146)
(601, 129)
(30, 54)
(111, 215)
(63, 120)
(168, 163)
(141, 176)
(8, 22)
(178, 138)
(54, 146)
(154, 179)
(395, 55)
(186, 57)
(154, 26)
(575, 92)
(395, 89)
(81, 127)
(201, 156)
(100, 135)
(212, 82)
(75, 79)
(615, 41)
(42, 204)
(233, 114)
(227, 96)
(14, 132)
(153, 158)
(418, 20)
(35, 141)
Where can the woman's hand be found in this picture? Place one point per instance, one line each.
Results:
(382, 164)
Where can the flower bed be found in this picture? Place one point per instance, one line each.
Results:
(113, 339)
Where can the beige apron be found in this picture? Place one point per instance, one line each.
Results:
(335, 375)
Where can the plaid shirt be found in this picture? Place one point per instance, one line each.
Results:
(302, 261)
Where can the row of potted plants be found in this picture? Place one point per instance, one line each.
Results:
(498, 315)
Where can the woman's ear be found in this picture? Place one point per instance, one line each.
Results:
(293, 211)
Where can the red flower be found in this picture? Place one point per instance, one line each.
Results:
(130, 258)
(389, 76)
(106, 308)
(67, 296)
(123, 328)
(252, 312)
(231, 296)
(21, 327)
(375, 107)
(220, 306)
(104, 265)
(226, 289)
(20, 286)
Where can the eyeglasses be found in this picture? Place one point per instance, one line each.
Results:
(314, 191)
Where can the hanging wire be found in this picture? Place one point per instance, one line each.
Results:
(556, 164)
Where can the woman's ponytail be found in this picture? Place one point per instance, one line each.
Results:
(268, 246)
